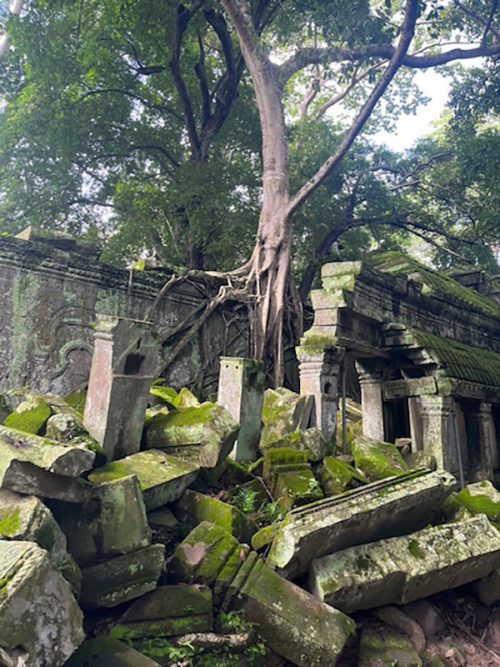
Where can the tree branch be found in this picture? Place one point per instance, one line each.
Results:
(411, 13)
(181, 24)
(315, 56)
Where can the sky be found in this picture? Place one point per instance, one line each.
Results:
(412, 126)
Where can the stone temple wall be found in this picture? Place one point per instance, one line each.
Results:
(49, 298)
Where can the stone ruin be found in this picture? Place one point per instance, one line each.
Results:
(141, 526)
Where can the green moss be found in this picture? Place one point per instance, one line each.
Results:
(10, 523)
(461, 361)
(191, 416)
(314, 344)
(436, 283)
(377, 460)
(478, 504)
(30, 416)
(110, 472)
(415, 549)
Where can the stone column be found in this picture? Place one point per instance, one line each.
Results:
(485, 468)
(319, 374)
(124, 363)
(241, 392)
(438, 434)
(372, 405)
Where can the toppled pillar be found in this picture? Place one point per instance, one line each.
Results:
(123, 366)
(241, 392)
(41, 623)
(382, 509)
(319, 375)
(403, 569)
(293, 623)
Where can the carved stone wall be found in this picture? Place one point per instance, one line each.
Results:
(48, 304)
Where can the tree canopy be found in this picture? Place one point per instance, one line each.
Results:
(198, 133)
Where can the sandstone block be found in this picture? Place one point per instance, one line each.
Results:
(41, 623)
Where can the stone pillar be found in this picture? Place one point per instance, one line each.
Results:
(241, 392)
(485, 468)
(438, 433)
(372, 405)
(124, 363)
(319, 375)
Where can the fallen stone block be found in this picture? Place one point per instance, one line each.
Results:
(30, 416)
(162, 478)
(41, 623)
(27, 519)
(43, 453)
(281, 460)
(112, 522)
(202, 435)
(106, 652)
(383, 647)
(301, 629)
(123, 578)
(426, 615)
(377, 460)
(404, 569)
(380, 509)
(30, 464)
(336, 475)
(193, 508)
(283, 412)
(166, 612)
(312, 441)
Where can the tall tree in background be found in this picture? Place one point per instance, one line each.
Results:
(371, 43)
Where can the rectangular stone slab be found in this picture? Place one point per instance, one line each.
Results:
(404, 569)
(24, 477)
(49, 455)
(112, 522)
(382, 509)
(162, 478)
(38, 613)
(124, 578)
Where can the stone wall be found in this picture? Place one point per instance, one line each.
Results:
(49, 298)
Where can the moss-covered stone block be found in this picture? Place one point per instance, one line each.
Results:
(202, 555)
(283, 412)
(312, 441)
(404, 569)
(162, 478)
(380, 509)
(112, 522)
(194, 507)
(30, 416)
(123, 578)
(203, 435)
(38, 611)
(335, 476)
(385, 648)
(166, 612)
(377, 460)
(282, 460)
(294, 624)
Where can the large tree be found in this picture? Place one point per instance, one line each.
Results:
(343, 35)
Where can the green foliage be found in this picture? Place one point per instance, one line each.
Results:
(245, 499)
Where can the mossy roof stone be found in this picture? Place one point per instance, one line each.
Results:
(461, 361)
(437, 283)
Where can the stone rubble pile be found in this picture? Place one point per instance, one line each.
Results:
(176, 553)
